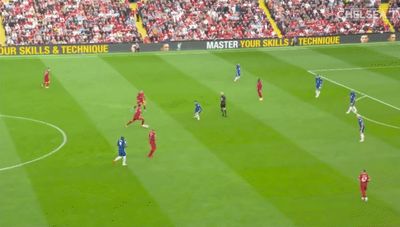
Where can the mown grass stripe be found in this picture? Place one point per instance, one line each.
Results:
(81, 185)
(16, 190)
(183, 175)
(282, 114)
(126, 200)
(335, 99)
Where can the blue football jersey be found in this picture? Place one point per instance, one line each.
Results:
(237, 70)
(318, 82)
(197, 108)
(352, 97)
(361, 124)
(121, 147)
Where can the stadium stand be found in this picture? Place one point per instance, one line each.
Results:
(312, 18)
(271, 20)
(204, 20)
(27, 22)
(139, 25)
(383, 11)
(394, 15)
(2, 31)
(68, 21)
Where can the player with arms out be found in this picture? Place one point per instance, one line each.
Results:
(318, 85)
(238, 74)
(364, 179)
(223, 104)
(141, 99)
(197, 110)
(259, 89)
(362, 127)
(152, 141)
(46, 78)
(137, 116)
(121, 151)
(352, 106)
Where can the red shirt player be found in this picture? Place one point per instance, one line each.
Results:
(141, 100)
(137, 116)
(152, 141)
(259, 89)
(364, 179)
(46, 78)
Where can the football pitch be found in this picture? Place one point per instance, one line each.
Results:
(289, 160)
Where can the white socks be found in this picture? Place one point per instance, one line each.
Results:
(317, 92)
(123, 159)
(353, 109)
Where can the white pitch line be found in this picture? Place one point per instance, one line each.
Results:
(357, 68)
(362, 93)
(64, 135)
(379, 123)
(358, 99)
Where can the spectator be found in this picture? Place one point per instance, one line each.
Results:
(169, 20)
(394, 14)
(68, 21)
(318, 18)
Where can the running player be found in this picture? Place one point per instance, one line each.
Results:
(318, 85)
(46, 78)
(364, 179)
(362, 127)
(152, 141)
(197, 110)
(223, 104)
(259, 89)
(352, 106)
(238, 74)
(121, 151)
(137, 116)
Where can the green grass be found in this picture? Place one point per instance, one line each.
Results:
(291, 160)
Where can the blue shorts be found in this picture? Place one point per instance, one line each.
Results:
(121, 153)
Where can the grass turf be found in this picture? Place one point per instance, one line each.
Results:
(291, 160)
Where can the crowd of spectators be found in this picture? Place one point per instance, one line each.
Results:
(173, 20)
(394, 14)
(112, 21)
(326, 17)
(68, 21)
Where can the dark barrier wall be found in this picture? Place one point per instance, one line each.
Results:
(194, 45)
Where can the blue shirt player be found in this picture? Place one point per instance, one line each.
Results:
(352, 106)
(318, 85)
(362, 127)
(197, 110)
(121, 151)
(237, 76)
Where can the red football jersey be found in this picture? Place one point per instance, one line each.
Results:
(138, 112)
(46, 75)
(363, 178)
(152, 137)
(259, 85)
